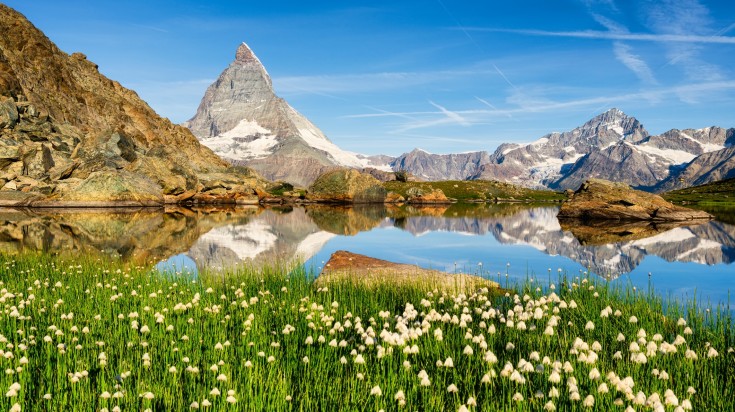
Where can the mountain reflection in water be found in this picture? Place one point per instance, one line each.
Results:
(222, 238)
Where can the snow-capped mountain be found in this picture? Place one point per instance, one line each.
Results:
(612, 146)
(242, 120)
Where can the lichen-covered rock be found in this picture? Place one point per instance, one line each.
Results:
(347, 186)
(115, 187)
(604, 200)
(419, 196)
(8, 112)
(393, 197)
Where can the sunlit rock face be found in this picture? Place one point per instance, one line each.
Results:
(241, 119)
(69, 136)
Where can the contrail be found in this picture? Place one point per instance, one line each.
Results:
(472, 39)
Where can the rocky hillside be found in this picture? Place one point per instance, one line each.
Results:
(71, 136)
(243, 121)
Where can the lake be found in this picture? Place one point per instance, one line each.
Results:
(504, 242)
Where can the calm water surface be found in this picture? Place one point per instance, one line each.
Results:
(502, 242)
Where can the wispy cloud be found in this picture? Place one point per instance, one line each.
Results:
(453, 117)
(423, 119)
(607, 35)
(624, 54)
(686, 17)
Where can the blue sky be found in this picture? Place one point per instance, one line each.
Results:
(445, 76)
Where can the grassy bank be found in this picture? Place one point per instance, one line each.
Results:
(720, 193)
(91, 336)
(484, 190)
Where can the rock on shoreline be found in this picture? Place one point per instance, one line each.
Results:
(598, 199)
(344, 266)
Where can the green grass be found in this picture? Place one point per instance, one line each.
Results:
(464, 190)
(716, 193)
(717, 198)
(57, 317)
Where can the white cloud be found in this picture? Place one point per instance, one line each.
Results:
(634, 63)
(607, 35)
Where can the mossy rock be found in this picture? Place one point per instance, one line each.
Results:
(347, 186)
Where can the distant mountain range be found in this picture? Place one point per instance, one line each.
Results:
(612, 146)
(242, 120)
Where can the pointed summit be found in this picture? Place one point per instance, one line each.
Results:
(241, 119)
(245, 54)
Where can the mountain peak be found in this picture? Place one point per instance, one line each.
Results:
(245, 55)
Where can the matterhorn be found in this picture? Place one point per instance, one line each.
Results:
(243, 121)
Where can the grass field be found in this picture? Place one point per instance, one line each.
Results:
(464, 190)
(90, 335)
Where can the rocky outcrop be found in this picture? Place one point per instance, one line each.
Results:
(71, 136)
(244, 122)
(420, 196)
(599, 199)
(350, 267)
(347, 186)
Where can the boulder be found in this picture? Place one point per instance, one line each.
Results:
(350, 267)
(347, 186)
(598, 199)
(119, 188)
(417, 195)
(393, 197)
(8, 113)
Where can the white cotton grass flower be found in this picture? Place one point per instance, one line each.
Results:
(518, 397)
(589, 401)
(375, 391)
(549, 406)
(452, 388)
(214, 392)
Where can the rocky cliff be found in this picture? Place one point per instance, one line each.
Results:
(242, 120)
(71, 136)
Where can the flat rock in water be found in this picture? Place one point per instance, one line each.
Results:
(351, 267)
(599, 199)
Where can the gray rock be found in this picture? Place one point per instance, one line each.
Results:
(8, 113)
